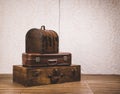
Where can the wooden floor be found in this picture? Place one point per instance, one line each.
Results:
(90, 84)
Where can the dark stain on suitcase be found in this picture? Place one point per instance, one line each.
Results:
(55, 76)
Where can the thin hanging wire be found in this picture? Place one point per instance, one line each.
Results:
(59, 23)
(59, 20)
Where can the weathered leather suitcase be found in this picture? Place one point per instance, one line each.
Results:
(42, 41)
(30, 76)
(36, 59)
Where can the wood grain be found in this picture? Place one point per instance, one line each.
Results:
(100, 84)
(90, 84)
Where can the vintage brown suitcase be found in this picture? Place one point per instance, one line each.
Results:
(42, 41)
(36, 59)
(30, 76)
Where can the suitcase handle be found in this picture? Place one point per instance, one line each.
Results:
(52, 62)
(42, 27)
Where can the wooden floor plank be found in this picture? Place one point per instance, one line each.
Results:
(107, 84)
(90, 84)
(7, 86)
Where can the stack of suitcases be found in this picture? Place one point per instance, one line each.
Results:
(42, 63)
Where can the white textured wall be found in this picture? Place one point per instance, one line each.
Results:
(16, 18)
(89, 29)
